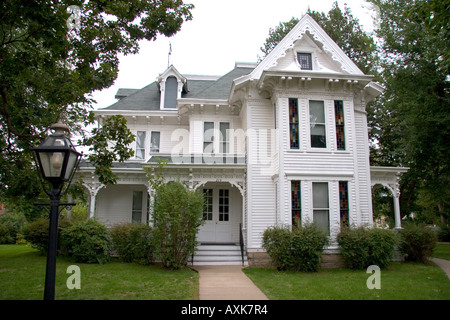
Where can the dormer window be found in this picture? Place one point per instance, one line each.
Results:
(305, 60)
(171, 93)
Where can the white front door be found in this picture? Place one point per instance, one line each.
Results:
(217, 226)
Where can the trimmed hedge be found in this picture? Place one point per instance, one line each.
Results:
(362, 247)
(297, 249)
(133, 242)
(417, 242)
(86, 241)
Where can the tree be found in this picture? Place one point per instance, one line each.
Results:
(52, 58)
(415, 41)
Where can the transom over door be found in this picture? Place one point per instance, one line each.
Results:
(217, 226)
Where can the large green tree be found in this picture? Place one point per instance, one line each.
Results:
(52, 58)
(414, 118)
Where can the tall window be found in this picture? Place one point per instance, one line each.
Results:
(343, 203)
(224, 137)
(293, 123)
(296, 203)
(305, 60)
(140, 144)
(224, 205)
(339, 117)
(208, 204)
(171, 93)
(321, 210)
(154, 141)
(208, 137)
(136, 213)
(317, 124)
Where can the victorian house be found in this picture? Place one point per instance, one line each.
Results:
(284, 141)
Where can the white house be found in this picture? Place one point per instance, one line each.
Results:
(284, 141)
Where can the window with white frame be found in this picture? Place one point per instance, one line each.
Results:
(171, 93)
(208, 137)
(321, 210)
(317, 124)
(305, 60)
(216, 136)
(224, 146)
(136, 212)
(154, 141)
(140, 145)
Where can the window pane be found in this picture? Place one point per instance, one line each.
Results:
(296, 203)
(208, 208)
(321, 219)
(317, 124)
(140, 144)
(224, 136)
(339, 117)
(343, 203)
(293, 123)
(223, 205)
(136, 214)
(320, 195)
(154, 143)
(171, 92)
(305, 61)
(208, 137)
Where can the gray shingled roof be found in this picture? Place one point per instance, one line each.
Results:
(148, 98)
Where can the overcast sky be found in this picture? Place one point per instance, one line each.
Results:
(221, 33)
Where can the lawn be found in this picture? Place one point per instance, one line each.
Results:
(400, 281)
(442, 251)
(22, 276)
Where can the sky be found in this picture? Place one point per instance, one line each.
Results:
(221, 33)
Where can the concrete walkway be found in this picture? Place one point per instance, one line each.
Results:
(444, 264)
(226, 283)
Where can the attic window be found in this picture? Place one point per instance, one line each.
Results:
(305, 60)
(170, 97)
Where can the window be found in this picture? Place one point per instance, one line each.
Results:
(293, 123)
(208, 137)
(140, 144)
(296, 203)
(136, 213)
(339, 117)
(343, 203)
(154, 141)
(208, 205)
(224, 206)
(171, 93)
(305, 60)
(317, 124)
(224, 137)
(320, 206)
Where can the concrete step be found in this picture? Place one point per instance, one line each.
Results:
(217, 254)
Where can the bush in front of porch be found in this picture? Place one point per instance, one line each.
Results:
(177, 216)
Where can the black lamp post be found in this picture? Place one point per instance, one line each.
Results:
(56, 160)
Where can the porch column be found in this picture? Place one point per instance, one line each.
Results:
(396, 196)
(93, 188)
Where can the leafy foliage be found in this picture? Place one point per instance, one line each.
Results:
(417, 242)
(297, 249)
(361, 247)
(86, 241)
(49, 71)
(133, 242)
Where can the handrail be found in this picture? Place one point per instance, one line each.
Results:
(241, 242)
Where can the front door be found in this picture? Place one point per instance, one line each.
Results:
(216, 213)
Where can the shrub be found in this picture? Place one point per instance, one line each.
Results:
(417, 242)
(361, 247)
(11, 225)
(86, 241)
(36, 233)
(177, 216)
(133, 242)
(300, 249)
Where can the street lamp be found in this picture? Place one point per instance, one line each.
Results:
(56, 159)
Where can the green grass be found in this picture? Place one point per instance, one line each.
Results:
(22, 277)
(442, 251)
(399, 281)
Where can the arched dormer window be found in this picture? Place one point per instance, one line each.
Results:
(171, 93)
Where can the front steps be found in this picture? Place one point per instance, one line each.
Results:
(218, 254)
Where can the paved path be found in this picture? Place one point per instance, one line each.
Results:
(226, 283)
(444, 264)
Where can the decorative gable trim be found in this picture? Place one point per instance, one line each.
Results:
(306, 25)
